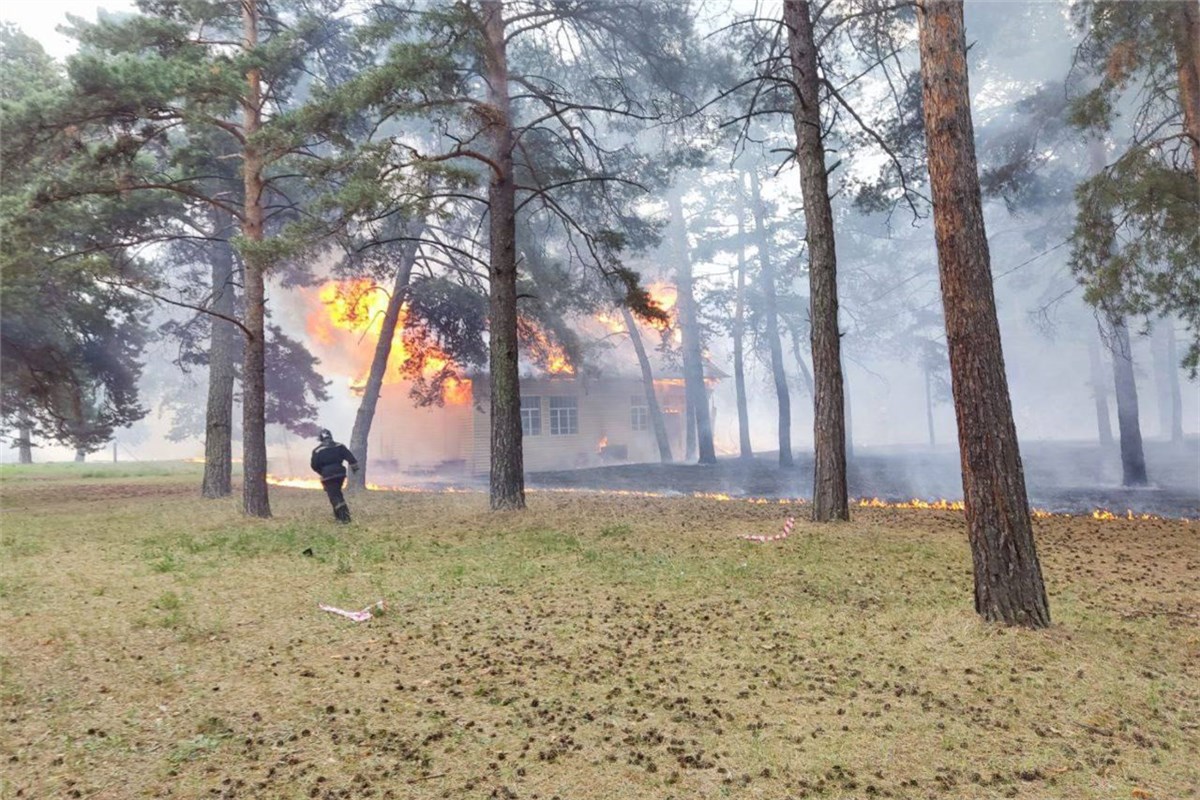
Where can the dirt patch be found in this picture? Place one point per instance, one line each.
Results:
(40, 494)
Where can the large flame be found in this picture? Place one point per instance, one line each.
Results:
(348, 319)
(663, 297)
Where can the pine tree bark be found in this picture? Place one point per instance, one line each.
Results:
(1173, 380)
(24, 443)
(222, 372)
(745, 450)
(771, 322)
(361, 432)
(1133, 458)
(1099, 386)
(830, 501)
(656, 416)
(689, 324)
(1008, 576)
(255, 499)
(1185, 30)
(507, 480)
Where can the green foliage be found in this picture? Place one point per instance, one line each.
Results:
(70, 339)
(1136, 242)
(443, 317)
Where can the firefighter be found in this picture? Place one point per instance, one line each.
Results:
(327, 461)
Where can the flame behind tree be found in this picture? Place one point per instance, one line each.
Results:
(438, 335)
(658, 312)
(655, 312)
(545, 347)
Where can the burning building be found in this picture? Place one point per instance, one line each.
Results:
(569, 418)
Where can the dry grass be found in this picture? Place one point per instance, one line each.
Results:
(154, 644)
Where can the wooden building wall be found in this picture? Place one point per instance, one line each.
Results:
(604, 413)
(406, 438)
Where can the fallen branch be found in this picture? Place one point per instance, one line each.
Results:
(1094, 729)
(427, 777)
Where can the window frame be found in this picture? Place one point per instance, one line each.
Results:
(531, 412)
(639, 413)
(565, 415)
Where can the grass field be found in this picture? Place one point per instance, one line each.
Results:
(153, 644)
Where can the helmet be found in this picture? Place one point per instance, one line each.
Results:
(324, 436)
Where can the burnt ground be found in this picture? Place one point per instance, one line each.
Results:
(1060, 477)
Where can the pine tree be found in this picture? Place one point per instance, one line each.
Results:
(147, 88)
(830, 500)
(70, 339)
(1136, 244)
(489, 75)
(1008, 578)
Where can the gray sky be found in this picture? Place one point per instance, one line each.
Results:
(39, 18)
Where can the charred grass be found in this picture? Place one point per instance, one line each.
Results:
(153, 644)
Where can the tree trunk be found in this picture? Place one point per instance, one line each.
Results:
(656, 417)
(693, 360)
(1173, 381)
(80, 455)
(222, 351)
(829, 424)
(1099, 386)
(255, 500)
(1008, 577)
(771, 323)
(849, 421)
(365, 415)
(1162, 378)
(1133, 459)
(745, 451)
(689, 439)
(507, 488)
(805, 372)
(24, 443)
(1185, 28)
(929, 408)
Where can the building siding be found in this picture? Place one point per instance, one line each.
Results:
(604, 413)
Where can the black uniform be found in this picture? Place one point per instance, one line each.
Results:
(327, 461)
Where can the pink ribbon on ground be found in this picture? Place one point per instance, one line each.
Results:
(788, 524)
(357, 616)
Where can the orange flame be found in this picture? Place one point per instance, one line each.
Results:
(1102, 514)
(939, 505)
(548, 353)
(663, 296)
(349, 319)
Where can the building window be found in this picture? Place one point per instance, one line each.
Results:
(639, 414)
(564, 416)
(531, 416)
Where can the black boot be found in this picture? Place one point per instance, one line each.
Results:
(342, 513)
